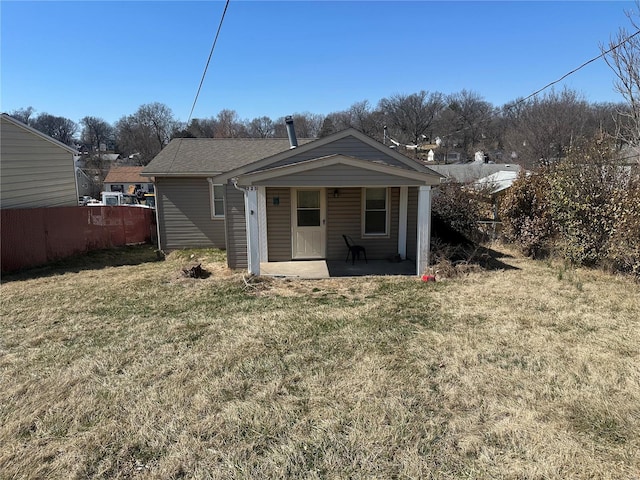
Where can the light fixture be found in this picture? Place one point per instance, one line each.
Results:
(336, 194)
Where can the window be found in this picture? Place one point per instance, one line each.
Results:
(308, 211)
(375, 211)
(217, 201)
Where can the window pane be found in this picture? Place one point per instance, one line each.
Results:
(218, 206)
(376, 198)
(308, 218)
(375, 222)
(218, 200)
(308, 199)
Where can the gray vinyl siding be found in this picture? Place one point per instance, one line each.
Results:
(349, 146)
(412, 225)
(344, 216)
(236, 228)
(35, 172)
(279, 224)
(337, 175)
(184, 214)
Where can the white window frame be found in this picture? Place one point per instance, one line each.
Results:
(386, 233)
(214, 213)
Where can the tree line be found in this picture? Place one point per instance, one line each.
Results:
(531, 132)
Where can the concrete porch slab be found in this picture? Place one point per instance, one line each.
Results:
(299, 269)
(313, 269)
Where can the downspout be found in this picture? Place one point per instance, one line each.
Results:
(253, 244)
(157, 213)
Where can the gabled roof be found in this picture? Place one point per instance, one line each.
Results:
(124, 175)
(425, 178)
(37, 133)
(225, 158)
(213, 156)
(407, 162)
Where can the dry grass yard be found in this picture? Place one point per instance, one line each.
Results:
(135, 371)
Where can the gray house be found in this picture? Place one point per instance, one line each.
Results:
(37, 170)
(282, 200)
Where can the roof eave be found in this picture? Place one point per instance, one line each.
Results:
(180, 174)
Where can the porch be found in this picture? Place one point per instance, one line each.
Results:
(315, 269)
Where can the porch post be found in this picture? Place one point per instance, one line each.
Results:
(253, 229)
(424, 228)
(262, 220)
(402, 222)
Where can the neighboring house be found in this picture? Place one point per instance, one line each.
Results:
(496, 182)
(270, 200)
(472, 172)
(492, 179)
(36, 170)
(127, 180)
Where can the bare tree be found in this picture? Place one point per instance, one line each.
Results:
(360, 116)
(364, 118)
(96, 132)
(261, 127)
(307, 125)
(229, 125)
(540, 130)
(622, 54)
(60, 128)
(146, 132)
(410, 117)
(23, 115)
(467, 121)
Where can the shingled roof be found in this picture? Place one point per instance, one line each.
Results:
(124, 175)
(213, 156)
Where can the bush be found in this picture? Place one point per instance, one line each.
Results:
(525, 214)
(587, 194)
(624, 245)
(459, 208)
(585, 208)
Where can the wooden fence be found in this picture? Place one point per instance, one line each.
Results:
(36, 236)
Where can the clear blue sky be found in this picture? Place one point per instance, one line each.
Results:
(105, 59)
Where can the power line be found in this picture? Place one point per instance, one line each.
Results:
(576, 69)
(206, 67)
(215, 40)
(522, 100)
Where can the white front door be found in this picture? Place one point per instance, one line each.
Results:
(308, 221)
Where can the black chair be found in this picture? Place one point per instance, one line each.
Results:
(354, 250)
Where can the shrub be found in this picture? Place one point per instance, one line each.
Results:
(585, 208)
(525, 215)
(587, 194)
(459, 208)
(624, 245)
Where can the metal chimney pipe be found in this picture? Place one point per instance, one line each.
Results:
(291, 131)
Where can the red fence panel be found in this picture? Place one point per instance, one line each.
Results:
(22, 239)
(32, 237)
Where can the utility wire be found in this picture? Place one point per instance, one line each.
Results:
(206, 67)
(215, 40)
(576, 69)
(522, 100)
